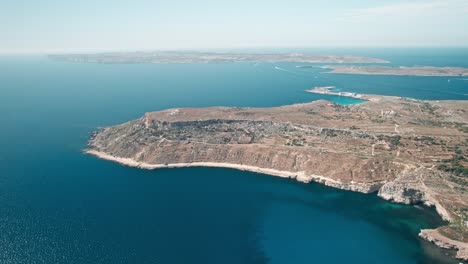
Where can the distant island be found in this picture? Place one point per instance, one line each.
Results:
(184, 57)
(209, 57)
(408, 151)
(412, 71)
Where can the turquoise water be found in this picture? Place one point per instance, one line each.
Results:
(61, 206)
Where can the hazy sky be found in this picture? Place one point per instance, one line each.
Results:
(89, 25)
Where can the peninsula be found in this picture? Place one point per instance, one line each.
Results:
(209, 57)
(408, 151)
(410, 71)
(329, 91)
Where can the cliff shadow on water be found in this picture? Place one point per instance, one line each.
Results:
(307, 217)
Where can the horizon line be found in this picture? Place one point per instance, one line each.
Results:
(226, 49)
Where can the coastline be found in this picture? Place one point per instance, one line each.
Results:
(423, 71)
(328, 91)
(299, 176)
(430, 235)
(434, 236)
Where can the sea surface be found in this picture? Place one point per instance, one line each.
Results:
(58, 205)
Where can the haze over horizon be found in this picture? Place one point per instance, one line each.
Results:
(64, 26)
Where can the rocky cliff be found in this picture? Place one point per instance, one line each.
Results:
(408, 151)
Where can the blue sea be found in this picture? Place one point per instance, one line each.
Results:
(58, 205)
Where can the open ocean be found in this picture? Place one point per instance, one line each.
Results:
(58, 205)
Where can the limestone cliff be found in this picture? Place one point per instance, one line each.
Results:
(409, 151)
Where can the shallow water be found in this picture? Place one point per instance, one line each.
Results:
(59, 205)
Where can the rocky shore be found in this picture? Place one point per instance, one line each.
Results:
(299, 176)
(434, 236)
(408, 151)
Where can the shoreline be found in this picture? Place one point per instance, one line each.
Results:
(430, 235)
(327, 90)
(299, 176)
(435, 237)
(422, 71)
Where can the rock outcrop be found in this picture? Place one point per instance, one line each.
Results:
(435, 236)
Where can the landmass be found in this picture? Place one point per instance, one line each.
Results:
(407, 151)
(329, 91)
(209, 57)
(410, 71)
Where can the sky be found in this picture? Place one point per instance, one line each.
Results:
(110, 25)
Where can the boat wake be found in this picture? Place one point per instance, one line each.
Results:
(292, 72)
(282, 69)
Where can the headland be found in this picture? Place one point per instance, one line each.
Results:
(328, 90)
(408, 151)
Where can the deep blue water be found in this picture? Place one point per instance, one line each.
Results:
(61, 206)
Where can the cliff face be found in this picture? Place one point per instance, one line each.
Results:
(390, 145)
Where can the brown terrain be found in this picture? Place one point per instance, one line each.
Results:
(410, 71)
(408, 151)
